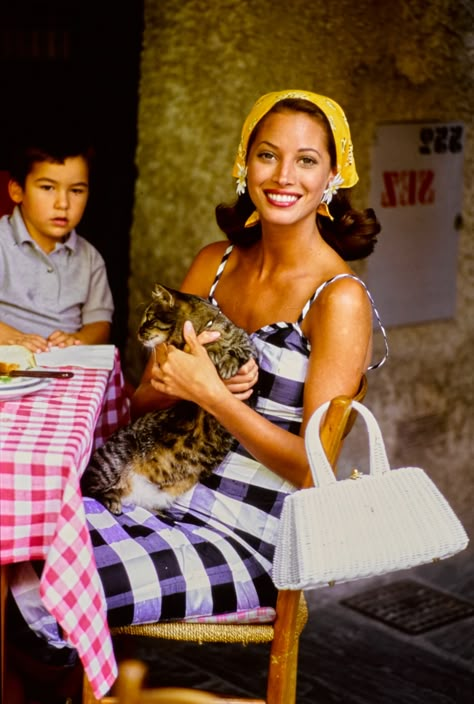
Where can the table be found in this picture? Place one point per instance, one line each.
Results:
(45, 442)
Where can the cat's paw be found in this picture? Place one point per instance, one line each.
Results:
(229, 365)
(113, 505)
(226, 370)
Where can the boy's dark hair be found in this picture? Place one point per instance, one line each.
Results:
(46, 144)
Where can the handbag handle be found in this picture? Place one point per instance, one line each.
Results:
(320, 466)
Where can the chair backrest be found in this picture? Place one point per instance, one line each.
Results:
(129, 689)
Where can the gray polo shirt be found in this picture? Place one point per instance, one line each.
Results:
(39, 292)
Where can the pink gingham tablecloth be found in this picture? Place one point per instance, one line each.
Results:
(45, 442)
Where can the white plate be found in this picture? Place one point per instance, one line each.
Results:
(13, 390)
(17, 382)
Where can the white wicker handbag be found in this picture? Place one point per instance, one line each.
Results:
(370, 524)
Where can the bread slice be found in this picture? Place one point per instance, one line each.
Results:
(15, 357)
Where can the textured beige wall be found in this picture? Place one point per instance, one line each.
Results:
(204, 62)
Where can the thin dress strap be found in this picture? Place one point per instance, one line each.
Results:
(310, 302)
(219, 271)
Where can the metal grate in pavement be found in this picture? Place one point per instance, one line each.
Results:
(409, 606)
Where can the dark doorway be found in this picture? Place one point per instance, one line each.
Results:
(81, 60)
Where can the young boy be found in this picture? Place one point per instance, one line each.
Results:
(53, 283)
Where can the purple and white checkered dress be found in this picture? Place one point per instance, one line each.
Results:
(212, 551)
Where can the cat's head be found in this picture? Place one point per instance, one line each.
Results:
(165, 315)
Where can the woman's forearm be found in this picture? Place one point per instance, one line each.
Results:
(278, 449)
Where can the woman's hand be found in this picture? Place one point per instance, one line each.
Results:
(242, 383)
(188, 374)
(166, 377)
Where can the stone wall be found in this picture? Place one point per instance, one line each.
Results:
(204, 62)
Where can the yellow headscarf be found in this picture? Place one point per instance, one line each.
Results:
(346, 176)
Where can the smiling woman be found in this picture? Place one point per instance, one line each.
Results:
(310, 319)
(285, 178)
(350, 233)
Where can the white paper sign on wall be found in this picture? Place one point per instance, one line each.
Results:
(416, 192)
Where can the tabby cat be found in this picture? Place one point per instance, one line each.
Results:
(163, 453)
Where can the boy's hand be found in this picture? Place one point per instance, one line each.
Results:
(58, 338)
(34, 343)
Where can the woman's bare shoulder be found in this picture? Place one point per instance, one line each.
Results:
(341, 299)
(345, 293)
(344, 285)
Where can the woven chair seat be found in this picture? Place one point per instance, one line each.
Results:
(203, 632)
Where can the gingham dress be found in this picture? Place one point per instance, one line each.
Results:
(212, 551)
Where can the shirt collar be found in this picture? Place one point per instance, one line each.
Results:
(21, 234)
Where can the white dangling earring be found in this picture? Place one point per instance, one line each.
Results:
(332, 188)
(241, 186)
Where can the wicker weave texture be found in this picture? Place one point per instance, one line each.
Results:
(201, 632)
(387, 520)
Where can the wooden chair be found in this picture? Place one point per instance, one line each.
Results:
(129, 689)
(291, 611)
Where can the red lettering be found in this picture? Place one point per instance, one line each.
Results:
(389, 198)
(426, 194)
(403, 188)
(407, 194)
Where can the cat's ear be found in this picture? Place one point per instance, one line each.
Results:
(161, 293)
